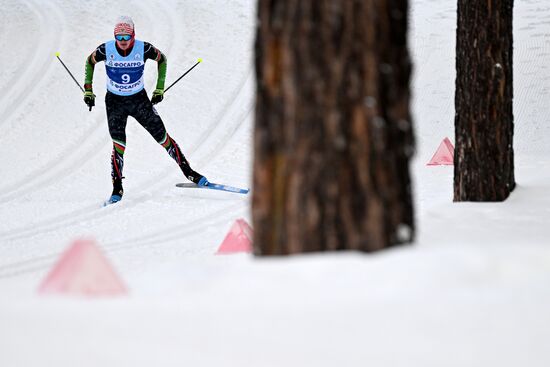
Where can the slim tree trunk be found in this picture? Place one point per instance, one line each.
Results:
(333, 133)
(484, 121)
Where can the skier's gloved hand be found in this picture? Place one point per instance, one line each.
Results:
(158, 95)
(89, 98)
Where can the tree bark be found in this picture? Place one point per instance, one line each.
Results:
(333, 133)
(484, 120)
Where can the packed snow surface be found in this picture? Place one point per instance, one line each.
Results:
(473, 290)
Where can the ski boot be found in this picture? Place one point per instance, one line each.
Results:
(197, 178)
(116, 196)
(192, 175)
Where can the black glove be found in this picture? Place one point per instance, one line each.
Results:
(89, 98)
(158, 95)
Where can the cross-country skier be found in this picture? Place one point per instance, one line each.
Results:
(125, 58)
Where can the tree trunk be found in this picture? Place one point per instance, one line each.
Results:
(484, 120)
(333, 133)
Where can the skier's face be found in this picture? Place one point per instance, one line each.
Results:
(124, 41)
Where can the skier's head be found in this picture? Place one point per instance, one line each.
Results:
(124, 32)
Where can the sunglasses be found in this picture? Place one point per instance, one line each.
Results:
(123, 37)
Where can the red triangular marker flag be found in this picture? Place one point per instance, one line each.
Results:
(238, 239)
(83, 270)
(444, 154)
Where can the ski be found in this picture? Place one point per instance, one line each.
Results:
(215, 186)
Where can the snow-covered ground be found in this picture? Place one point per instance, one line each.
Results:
(472, 291)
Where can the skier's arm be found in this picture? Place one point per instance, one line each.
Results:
(95, 57)
(162, 66)
(153, 53)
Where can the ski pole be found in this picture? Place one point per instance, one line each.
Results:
(184, 74)
(68, 71)
(71, 74)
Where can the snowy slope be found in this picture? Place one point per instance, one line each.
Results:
(67, 168)
(472, 291)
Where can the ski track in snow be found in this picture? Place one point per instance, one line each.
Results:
(163, 235)
(20, 70)
(28, 79)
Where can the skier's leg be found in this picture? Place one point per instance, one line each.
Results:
(148, 117)
(116, 118)
(117, 163)
(174, 151)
